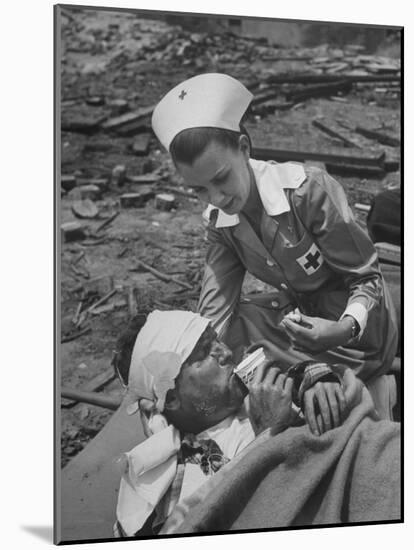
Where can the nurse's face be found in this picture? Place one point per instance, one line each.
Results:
(220, 176)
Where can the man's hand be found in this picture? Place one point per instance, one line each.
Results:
(314, 334)
(270, 399)
(324, 406)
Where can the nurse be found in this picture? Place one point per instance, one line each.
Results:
(290, 226)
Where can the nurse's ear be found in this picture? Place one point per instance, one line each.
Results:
(244, 146)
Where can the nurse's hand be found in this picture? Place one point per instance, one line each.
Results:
(314, 334)
(324, 406)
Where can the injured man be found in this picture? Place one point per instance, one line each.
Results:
(303, 447)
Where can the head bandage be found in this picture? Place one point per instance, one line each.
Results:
(208, 100)
(162, 346)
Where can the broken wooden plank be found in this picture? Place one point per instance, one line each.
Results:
(132, 301)
(333, 133)
(144, 179)
(72, 231)
(91, 397)
(320, 90)
(308, 78)
(135, 200)
(107, 222)
(382, 138)
(350, 170)
(389, 253)
(362, 207)
(315, 164)
(141, 144)
(102, 183)
(75, 335)
(162, 276)
(188, 194)
(67, 182)
(165, 201)
(97, 383)
(118, 175)
(90, 192)
(85, 209)
(102, 300)
(284, 155)
(127, 120)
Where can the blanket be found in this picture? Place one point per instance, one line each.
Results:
(348, 475)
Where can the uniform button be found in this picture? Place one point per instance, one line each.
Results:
(283, 286)
(275, 303)
(270, 263)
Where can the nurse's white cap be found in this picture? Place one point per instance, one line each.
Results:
(208, 100)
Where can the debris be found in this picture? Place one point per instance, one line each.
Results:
(68, 182)
(162, 276)
(144, 179)
(118, 174)
(165, 201)
(72, 231)
(315, 164)
(118, 106)
(362, 207)
(97, 146)
(102, 309)
(178, 191)
(378, 136)
(102, 300)
(308, 78)
(78, 258)
(82, 124)
(320, 90)
(83, 412)
(318, 124)
(102, 183)
(127, 122)
(355, 170)
(95, 101)
(91, 397)
(391, 165)
(135, 200)
(82, 273)
(282, 155)
(75, 335)
(91, 192)
(106, 222)
(75, 319)
(123, 252)
(98, 285)
(82, 366)
(389, 253)
(85, 209)
(141, 144)
(132, 302)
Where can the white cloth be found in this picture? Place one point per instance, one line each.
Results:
(152, 466)
(207, 100)
(162, 346)
(271, 180)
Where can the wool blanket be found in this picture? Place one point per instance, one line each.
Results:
(348, 475)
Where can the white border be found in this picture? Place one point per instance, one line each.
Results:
(26, 229)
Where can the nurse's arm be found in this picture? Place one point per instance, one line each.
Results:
(322, 205)
(222, 281)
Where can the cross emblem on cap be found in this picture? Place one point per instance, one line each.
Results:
(183, 94)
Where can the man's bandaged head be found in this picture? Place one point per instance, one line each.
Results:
(162, 346)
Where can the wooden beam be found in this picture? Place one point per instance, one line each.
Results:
(284, 155)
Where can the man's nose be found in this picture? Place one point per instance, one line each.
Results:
(225, 355)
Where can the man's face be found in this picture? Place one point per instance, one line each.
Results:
(206, 382)
(220, 176)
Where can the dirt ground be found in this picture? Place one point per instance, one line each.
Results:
(118, 62)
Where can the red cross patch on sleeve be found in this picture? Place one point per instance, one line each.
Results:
(311, 261)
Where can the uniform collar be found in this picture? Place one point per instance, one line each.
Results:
(271, 180)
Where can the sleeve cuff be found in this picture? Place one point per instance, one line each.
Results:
(359, 313)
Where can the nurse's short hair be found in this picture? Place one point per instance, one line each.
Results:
(189, 144)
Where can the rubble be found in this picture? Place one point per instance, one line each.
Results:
(72, 231)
